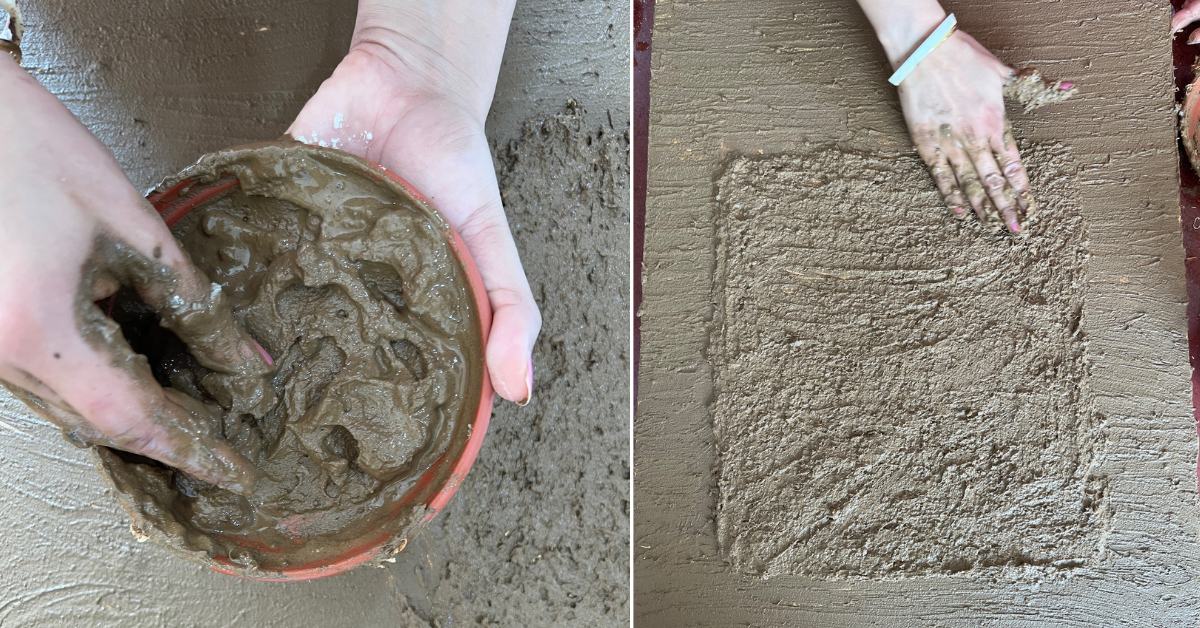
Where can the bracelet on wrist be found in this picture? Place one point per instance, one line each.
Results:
(931, 42)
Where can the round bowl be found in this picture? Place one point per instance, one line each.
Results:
(173, 202)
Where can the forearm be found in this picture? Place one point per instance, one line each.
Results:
(900, 25)
(446, 47)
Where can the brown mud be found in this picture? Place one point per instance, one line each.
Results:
(352, 286)
(945, 389)
(899, 418)
(537, 534)
(1028, 89)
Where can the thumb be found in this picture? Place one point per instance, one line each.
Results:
(516, 320)
(461, 185)
(515, 326)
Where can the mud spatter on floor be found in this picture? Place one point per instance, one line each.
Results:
(539, 537)
(353, 288)
(899, 393)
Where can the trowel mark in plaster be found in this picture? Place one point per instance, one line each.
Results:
(899, 393)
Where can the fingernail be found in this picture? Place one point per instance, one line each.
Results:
(959, 212)
(1014, 226)
(528, 385)
(239, 482)
(1065, 85)
(222, 469)
(263, 352)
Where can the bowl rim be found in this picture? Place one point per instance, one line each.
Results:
(175, 201)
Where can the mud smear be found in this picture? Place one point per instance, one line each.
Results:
(881, 414)
(764, 82)
(353, 288)
(1027, 89)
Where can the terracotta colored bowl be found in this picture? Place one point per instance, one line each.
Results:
(173, 204)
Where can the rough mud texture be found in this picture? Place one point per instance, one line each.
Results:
(536, 535)
(352, 286)
(768, 80)
(10, 29)
(559, 471)
(886, 411)
(1028, 89)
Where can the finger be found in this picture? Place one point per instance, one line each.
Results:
(124, 408)
(196, 309)
(1028, 88)
(463, 188)
(943, 177)
(1185, 16)
(47, 404)
(1009, 158)
(516, 320)
(968, 180)
(996, 186)
(104, 286)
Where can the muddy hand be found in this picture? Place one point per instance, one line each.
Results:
(76, 230)
(954, 105)
(412, 94)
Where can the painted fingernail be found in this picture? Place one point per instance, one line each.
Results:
(959, 212)
(1065, 85)
(528, 385)
(263, 352)
(1014, 226)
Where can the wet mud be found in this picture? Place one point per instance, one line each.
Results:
(353, 288)
(1030, 91)
(855, 410)
(537, 534)
(903, 413)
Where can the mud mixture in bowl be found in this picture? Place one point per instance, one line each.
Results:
(353, 288)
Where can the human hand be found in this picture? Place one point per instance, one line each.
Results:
(416, 105)
(1186, 16)
(74, 231)
(954, 103)
(954, 106)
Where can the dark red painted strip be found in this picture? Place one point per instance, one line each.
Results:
(643, 24)
(1189, 214)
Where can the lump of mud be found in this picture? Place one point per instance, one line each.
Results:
(354, 288)
(900, 393)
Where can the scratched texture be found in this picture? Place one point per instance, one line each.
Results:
(769, 78)
(537, 534)
(884, 411)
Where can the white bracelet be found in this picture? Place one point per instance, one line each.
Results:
(935, 39)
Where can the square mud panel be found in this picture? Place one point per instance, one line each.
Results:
(899, 393)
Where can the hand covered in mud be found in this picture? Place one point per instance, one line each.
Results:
(954, 105)
(416, 105)
(75, 231)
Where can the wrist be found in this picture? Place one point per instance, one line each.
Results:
(449, 50)
(901, 25)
